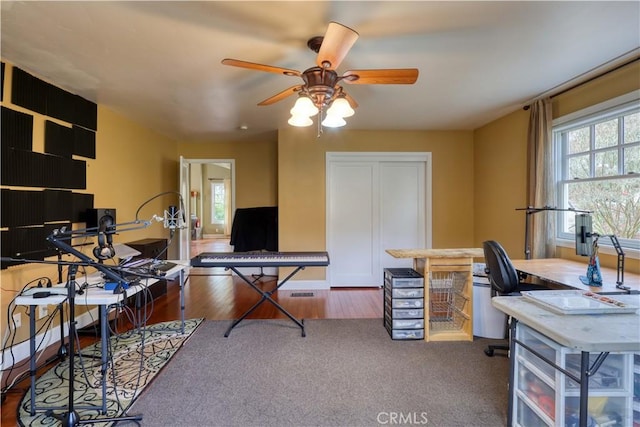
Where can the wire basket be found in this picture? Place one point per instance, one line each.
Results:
(447, 301)
(441, 296)
(454, 323)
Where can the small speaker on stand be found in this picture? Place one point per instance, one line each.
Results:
(94, 217)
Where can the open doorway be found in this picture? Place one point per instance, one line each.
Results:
(208, 189)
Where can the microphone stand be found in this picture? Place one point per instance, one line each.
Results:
(71, 417)
(62, 350)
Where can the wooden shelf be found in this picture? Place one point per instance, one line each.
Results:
(445, 318)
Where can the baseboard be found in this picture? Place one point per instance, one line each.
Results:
(301, 285)
(20, 352)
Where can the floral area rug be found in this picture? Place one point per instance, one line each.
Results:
(136, 357)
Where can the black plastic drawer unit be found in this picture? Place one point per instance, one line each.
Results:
(404, 303)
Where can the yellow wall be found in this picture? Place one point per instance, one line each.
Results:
(500, 175)
(132, 165)
(500, 165)
(256, 167)
(301, 183)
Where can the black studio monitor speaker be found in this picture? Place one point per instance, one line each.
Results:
(95, 217)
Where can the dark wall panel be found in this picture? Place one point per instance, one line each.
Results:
(81, 204)
(16, 129)
(28, 217)
(57, 205)
(86, 113)
(84, 142)
(27, 91)
(28, 242)
(22, 168)
(58, 139)
(21, 208)
(60, 104)
(37, 95)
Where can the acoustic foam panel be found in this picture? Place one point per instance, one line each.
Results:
(31, 169)
(21, 208)
(84, 142)
(81, 205)
(86, 113)
(44, 98)
(58, 139)
(28, 91)
(57, 205)
(16, 130)
(28, 242)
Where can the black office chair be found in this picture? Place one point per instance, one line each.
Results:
(504, 279)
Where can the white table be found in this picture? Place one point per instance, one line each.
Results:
(587, 333)
(102, 298)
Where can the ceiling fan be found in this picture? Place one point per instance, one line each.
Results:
(321, 91)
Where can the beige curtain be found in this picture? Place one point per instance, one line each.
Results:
(541, 180)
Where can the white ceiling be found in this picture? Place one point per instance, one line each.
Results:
(159, 62)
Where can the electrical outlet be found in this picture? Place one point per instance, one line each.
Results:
(43, 311)
(17, 320)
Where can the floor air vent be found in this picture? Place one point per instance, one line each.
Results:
(302, 294)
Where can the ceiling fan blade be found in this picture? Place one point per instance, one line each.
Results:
(390, 76)
(280, 96)
(261, 67)
(352, 101)
(336, 44)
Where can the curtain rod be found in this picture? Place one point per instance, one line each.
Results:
(589, 76)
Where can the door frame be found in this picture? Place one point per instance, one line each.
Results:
(184, 172)
(348, 156)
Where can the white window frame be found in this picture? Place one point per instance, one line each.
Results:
(597, 113)
(215, 183)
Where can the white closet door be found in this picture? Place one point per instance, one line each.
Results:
(353, 210)
(402, 217)
(372, 205)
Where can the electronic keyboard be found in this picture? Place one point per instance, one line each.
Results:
(261, 259)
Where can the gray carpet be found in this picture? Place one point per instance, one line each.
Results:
(343, 373)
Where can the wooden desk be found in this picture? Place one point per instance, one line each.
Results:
(566, 274)
(448, 311)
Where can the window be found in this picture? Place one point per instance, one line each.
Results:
(598, 160)
(218, 202)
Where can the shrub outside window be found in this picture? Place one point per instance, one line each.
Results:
(598, 161)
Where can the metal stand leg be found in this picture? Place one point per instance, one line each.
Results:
(512, 368)
(32, 359)
(266, 296)
(182, 284)
(584, 388)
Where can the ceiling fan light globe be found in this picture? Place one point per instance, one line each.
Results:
(333, 121)
(304, 107)
(300, 121)
(340, 107)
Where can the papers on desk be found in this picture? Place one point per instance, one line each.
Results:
(578, 302)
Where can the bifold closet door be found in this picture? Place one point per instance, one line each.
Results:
(372, 206)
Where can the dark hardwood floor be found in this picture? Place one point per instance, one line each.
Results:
(214, 294)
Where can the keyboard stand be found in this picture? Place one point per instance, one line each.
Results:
(266, 296)
(257, 277)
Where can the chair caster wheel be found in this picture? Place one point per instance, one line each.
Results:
(488, 352)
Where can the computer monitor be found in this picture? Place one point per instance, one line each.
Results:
(584, 234)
